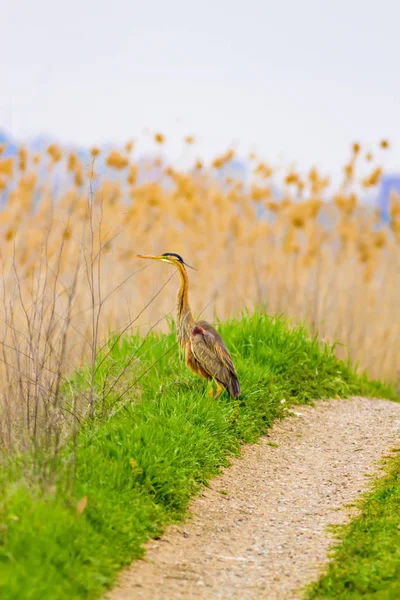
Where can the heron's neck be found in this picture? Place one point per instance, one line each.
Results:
(185, 318)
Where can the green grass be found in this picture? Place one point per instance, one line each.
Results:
(366, 564)
(140, 467)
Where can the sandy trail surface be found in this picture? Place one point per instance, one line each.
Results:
(259, 530)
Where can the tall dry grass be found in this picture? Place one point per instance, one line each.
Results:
(69, 275)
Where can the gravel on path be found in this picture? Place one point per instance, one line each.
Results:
(259, 530)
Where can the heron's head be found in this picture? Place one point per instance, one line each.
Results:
(168, 257)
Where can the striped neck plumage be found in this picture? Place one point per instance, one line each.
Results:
(185, 318)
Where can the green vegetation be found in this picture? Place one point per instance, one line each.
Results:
(366, 564)
(141, 462)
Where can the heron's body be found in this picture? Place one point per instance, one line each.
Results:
(205, 352)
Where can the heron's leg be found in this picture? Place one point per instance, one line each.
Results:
(218, 391)
(211, 391)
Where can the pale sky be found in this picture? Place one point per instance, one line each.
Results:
(294, 80)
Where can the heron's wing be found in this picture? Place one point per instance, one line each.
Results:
(220, 347)
(212, 354)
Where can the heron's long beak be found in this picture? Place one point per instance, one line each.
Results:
(151, 256)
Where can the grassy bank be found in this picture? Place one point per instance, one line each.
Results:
(366, 563)
(139, 467)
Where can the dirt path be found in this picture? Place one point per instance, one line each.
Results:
(265, 537)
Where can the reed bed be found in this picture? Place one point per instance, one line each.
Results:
(70, 230)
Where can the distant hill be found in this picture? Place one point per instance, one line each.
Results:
(11, 146)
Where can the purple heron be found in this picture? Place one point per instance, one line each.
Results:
(205, 352)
